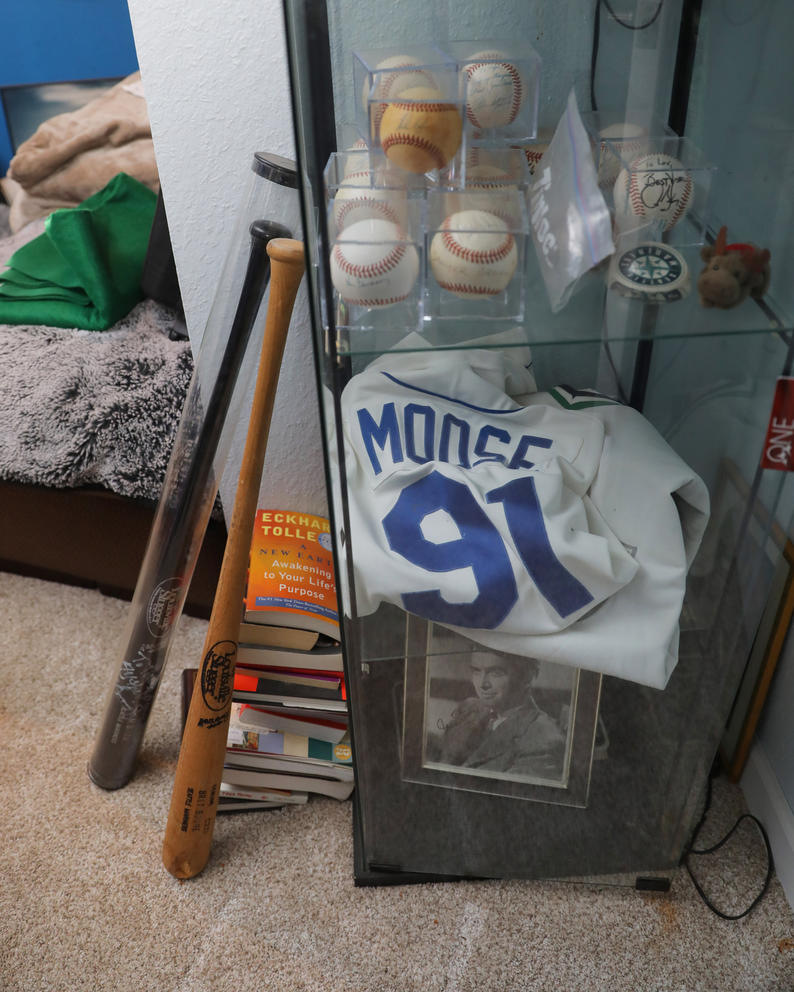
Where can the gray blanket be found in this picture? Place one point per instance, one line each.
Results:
(80, 408)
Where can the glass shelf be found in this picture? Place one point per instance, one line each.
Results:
(594, 313)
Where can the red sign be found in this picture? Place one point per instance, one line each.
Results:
(779, 443)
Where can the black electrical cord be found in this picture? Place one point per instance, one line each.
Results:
(597, 36)
(770, 865)
(633, 27)
(594, 53)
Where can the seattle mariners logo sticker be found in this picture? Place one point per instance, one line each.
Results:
(650, 271)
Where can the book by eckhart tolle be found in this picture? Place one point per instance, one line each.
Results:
(291, 581)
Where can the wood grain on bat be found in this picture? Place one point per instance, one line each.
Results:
(194, 799)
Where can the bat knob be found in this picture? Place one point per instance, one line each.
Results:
(266, 230)
(287, 250)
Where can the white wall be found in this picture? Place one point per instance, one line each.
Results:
(216, 83)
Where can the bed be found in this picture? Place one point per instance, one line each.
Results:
(88, 420)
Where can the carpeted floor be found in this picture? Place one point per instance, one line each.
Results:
(86, 904)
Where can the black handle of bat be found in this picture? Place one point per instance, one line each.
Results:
(172, 551)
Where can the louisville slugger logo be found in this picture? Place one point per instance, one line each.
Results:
(162, 609)
(208, 723)
(217, 675)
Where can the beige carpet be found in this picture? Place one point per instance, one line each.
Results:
(86, 904)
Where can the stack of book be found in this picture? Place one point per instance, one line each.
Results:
(288, 734)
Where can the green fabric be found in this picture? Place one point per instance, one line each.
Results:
(85, 269)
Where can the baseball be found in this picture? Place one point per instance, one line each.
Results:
(473, 255)
(533, 152)
(356, 157)
(372, 265)
(494, 88)
(618, 141)
(655, 188)
(358, 199)
(487, 188)
(421, 131)
(390, 78)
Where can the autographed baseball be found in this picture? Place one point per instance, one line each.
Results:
(655, 188)
(495, 90)
(358, 199)
(390, 78)
(619, 143)
(372, 265)
(421, 131)
(473, 255)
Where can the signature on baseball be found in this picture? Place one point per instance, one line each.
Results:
(664, 191)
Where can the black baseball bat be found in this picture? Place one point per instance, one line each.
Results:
(176, 537)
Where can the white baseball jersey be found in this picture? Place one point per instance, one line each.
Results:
(559, 525)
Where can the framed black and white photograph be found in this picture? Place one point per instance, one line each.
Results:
(487, 721)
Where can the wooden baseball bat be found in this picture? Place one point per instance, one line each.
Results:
(194, 799)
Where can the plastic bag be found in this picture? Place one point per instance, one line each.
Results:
(570, 220)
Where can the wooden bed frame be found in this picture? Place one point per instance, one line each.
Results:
(95, 538)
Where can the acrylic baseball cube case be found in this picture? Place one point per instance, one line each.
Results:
(499, 85)
(387, 76)
(375, 219)
(494, 86)
(475, 253)
(661, 190)
(617, 137)
(379, 215)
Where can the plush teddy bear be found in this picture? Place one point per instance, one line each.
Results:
(732, 273)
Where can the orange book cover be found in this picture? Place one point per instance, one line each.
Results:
(291, 579)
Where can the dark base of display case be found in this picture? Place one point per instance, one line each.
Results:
(375, 875)
(369, 874)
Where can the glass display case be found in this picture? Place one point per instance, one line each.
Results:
(548, 267)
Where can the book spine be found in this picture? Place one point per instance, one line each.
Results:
(292, 745)
(258, 718)
(245, 682)
(300, 676)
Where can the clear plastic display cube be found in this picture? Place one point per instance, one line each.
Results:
(661, 193)
(362, 185)
(476, 244)
(619, 136)
(350, 139)
(500, 169)
(499, 84)
(398, 83)
(376, 267)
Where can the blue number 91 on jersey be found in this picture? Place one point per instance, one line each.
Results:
(480, 548)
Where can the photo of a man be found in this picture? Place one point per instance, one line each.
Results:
(497, 728)
(479, 720)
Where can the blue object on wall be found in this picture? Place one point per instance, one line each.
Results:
(58, 40)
